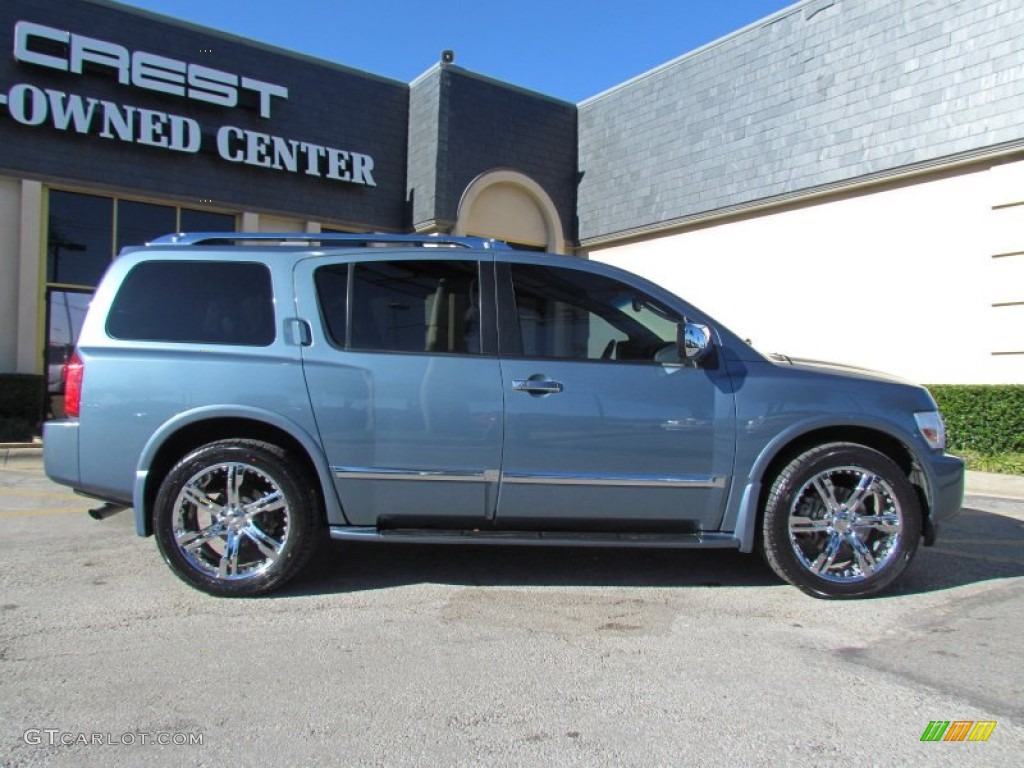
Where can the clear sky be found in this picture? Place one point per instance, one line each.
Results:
(570, 49)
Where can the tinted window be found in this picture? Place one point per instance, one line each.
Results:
(195, 301)
(206, 221)
(576, 315)
(332, 293)
(138, 223)
(80, 238)
(405, 306)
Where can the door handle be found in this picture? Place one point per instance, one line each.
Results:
(298, 332)
(537, 385)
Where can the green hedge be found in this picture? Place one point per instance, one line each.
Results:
(988, 419)
(21, 406)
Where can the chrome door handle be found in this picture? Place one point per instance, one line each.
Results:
(299, 332)
(537, 385)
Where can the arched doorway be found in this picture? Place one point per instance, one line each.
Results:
(510, 206)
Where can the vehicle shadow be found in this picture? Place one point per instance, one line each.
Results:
(976, 546)
(342, 567)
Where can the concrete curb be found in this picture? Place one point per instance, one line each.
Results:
(991, 484)
(24, 455)
(30, 456)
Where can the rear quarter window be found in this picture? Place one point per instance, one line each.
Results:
(202, 302)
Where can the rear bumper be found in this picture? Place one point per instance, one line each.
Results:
(60, 452)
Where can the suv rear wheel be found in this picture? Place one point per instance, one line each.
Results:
(841, 520)
(236, 518)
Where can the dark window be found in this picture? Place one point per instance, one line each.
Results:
(195, 301)
(576, 315)
(81, 241)
(524, 247)
(409, 306)
(206, 221)
(332, 291)
(138, 223)
(80, 238)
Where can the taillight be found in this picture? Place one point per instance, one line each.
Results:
(74, 369)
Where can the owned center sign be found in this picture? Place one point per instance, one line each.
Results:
(44, 46)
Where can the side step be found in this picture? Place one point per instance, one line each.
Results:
(537, 538)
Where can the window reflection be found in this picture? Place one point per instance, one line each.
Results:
(411, 306)
(79, 242)
(65, 315)
(571, 315)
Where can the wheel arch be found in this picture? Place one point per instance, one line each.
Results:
(787, 447)
(191, 430)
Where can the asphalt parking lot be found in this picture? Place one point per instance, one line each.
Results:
(413, 656)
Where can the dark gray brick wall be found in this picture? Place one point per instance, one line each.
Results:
(327, 105)
(819, 94)
(424, 133)
(484, 125)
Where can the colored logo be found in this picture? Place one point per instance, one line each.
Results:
(958, 730)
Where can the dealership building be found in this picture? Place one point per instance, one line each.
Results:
(841, 180)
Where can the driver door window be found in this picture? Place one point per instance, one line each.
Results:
(573, 315)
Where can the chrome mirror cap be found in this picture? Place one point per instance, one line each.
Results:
(694, 342)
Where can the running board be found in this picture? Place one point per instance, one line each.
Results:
(537, 538)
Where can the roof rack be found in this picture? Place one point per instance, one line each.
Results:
(327, 238)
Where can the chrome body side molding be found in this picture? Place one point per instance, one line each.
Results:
(441, 476)
(619, 481)
(516, 478)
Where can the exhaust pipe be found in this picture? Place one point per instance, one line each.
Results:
(107, 510)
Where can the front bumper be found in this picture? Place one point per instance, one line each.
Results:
(947, 487)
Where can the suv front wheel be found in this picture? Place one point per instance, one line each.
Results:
(236, 518)
(840, 521)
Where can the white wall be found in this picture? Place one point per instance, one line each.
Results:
(901, 279)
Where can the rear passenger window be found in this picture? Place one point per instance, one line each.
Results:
(403, 306)
(201, 302)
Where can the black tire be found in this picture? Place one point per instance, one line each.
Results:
(814, 538)
(236, 518)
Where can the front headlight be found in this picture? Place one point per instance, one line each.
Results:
(929, 424)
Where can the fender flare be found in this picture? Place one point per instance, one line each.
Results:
(747, 514)
(171, 427)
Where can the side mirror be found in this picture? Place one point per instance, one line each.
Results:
(694, 344)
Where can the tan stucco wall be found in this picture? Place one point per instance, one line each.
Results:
(10, 226)
(30, 279)
(510, 206)
(269, 223)
(21, 211)
(505, 209)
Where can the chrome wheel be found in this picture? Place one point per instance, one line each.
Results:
(841, 520)
(231, 521)
(845, 524)
(237, 517)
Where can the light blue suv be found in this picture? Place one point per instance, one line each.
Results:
(251, 394)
